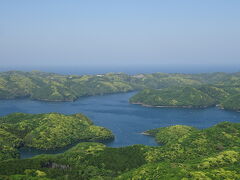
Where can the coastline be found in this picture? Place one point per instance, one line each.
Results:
(145, 133)
(147, 105)
(187, 107)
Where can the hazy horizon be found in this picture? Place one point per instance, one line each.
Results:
(70, 70)
(120, 34)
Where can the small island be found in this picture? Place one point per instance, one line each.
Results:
(46, 131)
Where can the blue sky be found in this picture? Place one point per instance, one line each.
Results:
(119, 33)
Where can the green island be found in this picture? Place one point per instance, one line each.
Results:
(191, 97)
(185, 153)
(46, 131)
(206, 87)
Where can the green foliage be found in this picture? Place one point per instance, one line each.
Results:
(187, 153)
(232, 103)
(218, 94)
(171, 134)
(222, 159)
(8, 145)
(155, 171)
(46, 131)
(178, 171)
(84, 161)
(175, 96)
(227, 97)
(54, 87)
(196, 154)
(183, 143)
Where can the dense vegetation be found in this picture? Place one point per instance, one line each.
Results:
(232, 103)
(46, 131)
(200, 96)
(176, 97)
(186, 153)
(54, 87)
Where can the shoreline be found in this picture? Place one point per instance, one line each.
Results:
(145, 133)
(147, 105)
(66, 100)
(187, 107)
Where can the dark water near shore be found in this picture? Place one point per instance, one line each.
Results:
(125, 120)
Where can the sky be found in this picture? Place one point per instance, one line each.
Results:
(127, 33)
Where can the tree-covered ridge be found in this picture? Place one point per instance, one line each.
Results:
(175, 96)
(199, 96)
(55, 87)
(47, 131)
(188, 153)
(211, 153)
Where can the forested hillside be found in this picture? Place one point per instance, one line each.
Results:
(173, 97)
(46, 131)
(192, 97)
(185, 153)
(56, 87)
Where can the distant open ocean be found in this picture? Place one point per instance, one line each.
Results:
(129, 70)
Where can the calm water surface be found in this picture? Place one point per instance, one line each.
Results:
(125, 120)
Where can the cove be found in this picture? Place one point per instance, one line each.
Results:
(125, 120)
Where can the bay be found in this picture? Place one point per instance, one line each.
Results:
(127, 121)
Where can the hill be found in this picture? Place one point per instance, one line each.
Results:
(194, 97)
(173, 97)
(46, 131)
(232, 103)
(185, 153)
(55, 87)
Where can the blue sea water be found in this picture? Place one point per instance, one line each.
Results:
(137, 69)
(125, 120)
